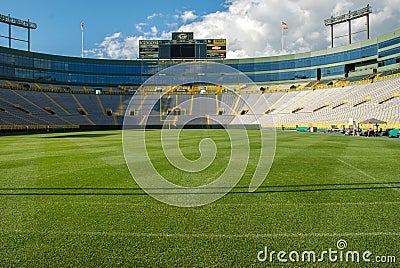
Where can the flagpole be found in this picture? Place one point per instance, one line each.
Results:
(282, 34)
(284, 27)
(83, 30)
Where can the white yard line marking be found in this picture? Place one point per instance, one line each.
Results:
(365, 174)
(359, 170)
(202, 235)
(266, 203)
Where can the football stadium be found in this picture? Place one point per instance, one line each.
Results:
(184, 157)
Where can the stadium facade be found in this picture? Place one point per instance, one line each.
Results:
(370, 56)
(335, 87)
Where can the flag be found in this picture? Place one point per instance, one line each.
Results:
(82, 26)
(284, 26)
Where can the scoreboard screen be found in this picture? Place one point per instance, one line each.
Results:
(182, 46)
(183, 51)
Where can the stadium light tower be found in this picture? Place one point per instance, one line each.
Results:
(19, 23)
(352, 15)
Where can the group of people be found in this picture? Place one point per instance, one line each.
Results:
(367, 133)
(373, 133)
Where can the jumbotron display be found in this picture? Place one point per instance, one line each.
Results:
(182, 46)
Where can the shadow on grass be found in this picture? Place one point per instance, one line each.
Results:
(79, 135)
(172, 191)
(89, 135)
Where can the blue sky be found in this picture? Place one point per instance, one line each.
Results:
(252, 27)
(59, 20)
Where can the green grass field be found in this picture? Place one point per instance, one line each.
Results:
(68, 200)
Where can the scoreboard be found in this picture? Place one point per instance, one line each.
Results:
(182, 46)
(148, 49)
(216, 48)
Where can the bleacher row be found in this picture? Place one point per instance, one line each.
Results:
(319, 107)
(21, 107)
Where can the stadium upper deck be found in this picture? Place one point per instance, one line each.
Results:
(373, 55)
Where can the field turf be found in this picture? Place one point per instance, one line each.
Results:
(68, 200)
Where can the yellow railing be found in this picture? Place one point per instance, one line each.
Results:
(35, 127)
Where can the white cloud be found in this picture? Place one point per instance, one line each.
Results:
(143, 29)
(188, 15)
(117, 47)
(154, 15)
(154, 30)
(253, 27)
